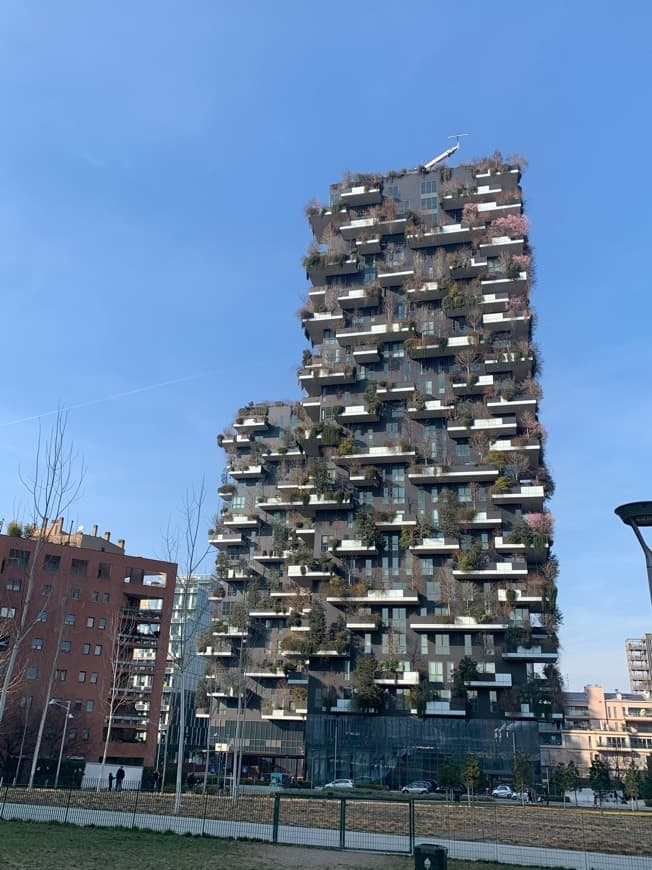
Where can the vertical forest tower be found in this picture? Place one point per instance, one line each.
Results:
(387, 596)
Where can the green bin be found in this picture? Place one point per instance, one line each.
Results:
(430, 856)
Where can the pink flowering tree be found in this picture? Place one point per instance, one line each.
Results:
(470, 215)
(541, 524)
(533, 428)
(523, 261)
(512, 225)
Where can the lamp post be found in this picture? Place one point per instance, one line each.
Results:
(66, 706)
(636, 514)
(28, 707)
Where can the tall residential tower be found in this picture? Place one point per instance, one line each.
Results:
(384, 549)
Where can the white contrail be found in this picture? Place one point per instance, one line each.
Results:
(103, 399)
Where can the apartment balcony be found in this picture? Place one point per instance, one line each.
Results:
(343, 705)
(481, 520)
(428, 346)
(236, 440)
(359, 297)
(524, 712)
(490, 681)
(369, 477)
(428, 410)
(297, 678)
(312, 407)
(354, 548)
(514, 362)
(435, 623)
(443, 708)
(379, 455)
(394, 279)
(378, 597)
(393, 227)
(362, 623)
(515, 286)
(508, 445)
(481, 193)
(305, 531)
(313, 378)
(323, 267)
(226, 491)
(517, 325)
(224, 540)
(491, 425)
(326, 503)
(503, 545)
(278, 455)
(216, 652)
(395, 392)
(366, 355)
(231, 631)
(355, 227)
(356, 414)
(491, 210)
(300, 573)
(396, 524)
(331, 653)
(399, 679)
(474, 384)
(247, 472)
(468, 268)
(530, 654)
(366, 247)
(264, 673)
(241, 522)
(224, 693)
(451, 234)
(271, 557)
(435, 546)
(530, 497)
(514, 570)
(378, 333)
(430, 291)
(257, 423)
(501, 405)
(501, 245)
(269, 614)
(362, 195)
(320, 321)
(282, 715)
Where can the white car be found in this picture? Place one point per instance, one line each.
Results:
(502, 791)
(339, 783)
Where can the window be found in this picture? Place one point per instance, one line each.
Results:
(13, 585)
(89, 706)
(31, 673)
(82, 677)
(429, 203)
(94, 677)
(101, 623)
(428, 187)
(464, 494)
(60, 674)
(106, 597)
(37, 643)
(436, 672)
(51, 563)
(442, 644)
(468, 644)
(98, 649)
(367, 643)
(95, 596)
(64, 646)
(90, 622)
(43, 616)
(85, 734)
(70, 619)
(86, 648)
(7, 612)
(424, 644)
(74, 594)
(72, 732)
(79, 567)
(46, 589)
(104, 570)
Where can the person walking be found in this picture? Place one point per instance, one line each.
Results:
(110, 781)
(119, 777)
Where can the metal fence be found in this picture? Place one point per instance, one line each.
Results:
(585, 839)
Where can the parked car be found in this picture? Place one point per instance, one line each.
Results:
(502, 791)
(419, 786)
(458, 789)
(339, 783)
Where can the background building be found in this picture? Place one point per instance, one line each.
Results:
(96, 628)
(639, 663)
(385, 545)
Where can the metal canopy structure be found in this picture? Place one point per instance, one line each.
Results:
(639, 514)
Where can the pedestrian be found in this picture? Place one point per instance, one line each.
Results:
(111, 782)
(595, 800)
(119, 777)
(191, 780)
(156, 780)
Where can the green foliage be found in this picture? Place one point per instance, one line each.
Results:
(599, 778)
(320, 475)
(14, 529)
(365, 526)
(317, 622)
(366, 694)
(471, 558)
(448, 505)
(373, 404)
(465, 671)
(497, 458)
(522, 771)
(448, 774)
(419, 697)
(471, 774)
(633, 782)
(346, 446)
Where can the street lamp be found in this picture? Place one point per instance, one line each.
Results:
(635, 514)
(66, 705)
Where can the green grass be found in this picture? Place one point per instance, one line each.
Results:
(36, 845)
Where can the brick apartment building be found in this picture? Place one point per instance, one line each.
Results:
(97, 627)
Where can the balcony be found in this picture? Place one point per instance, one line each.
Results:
(301, 573)
(247, 472)
(490, 681)
(429, 474)
(365, 247)
(530, 497)
(375, 455)
(393, 227)
(501, 405)
(435, 623)
(283, 715)
(474, 384)
(312, 407)
(492, 210)
(453, 202)
(517, 325)
(216, 652)
(394, 392)
(520, 365)
(362, 195)
(398, 679)
(366, 355)
(492, 425)
(397, 523)
(321, 267)
(435, 546)
(315, 325)
(356, 414)
(429, 346)
(430, 291)
(355, 548)
(236, 440)
(363, 623)
(241, 522)
(515, 570)
(377, 333)
(503, 545)
(231, 631)
(516, 285)
(313, 378)
(501, 245)
(223, 540)
(451, 234)
(508, 445)
(530, 654)
(256, 423)
(297, 678)
(394, 279)
(443, 708)
(429, 409)
(353, 229)
(482, 520)
(359, 297)
(379, 597)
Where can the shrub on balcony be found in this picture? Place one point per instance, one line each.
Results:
(346, 446)
(513, 225)
(471, 558)
(367, 696)
(366, 527)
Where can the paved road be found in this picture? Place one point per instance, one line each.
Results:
(294, 835)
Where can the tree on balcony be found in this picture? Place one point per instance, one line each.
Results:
(466, 671)
(367, 696)
(366, 527)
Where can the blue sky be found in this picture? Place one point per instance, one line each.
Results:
(155, 159)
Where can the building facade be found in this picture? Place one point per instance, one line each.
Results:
(94, 638)
(384, 546)
(639, 663)
(616, 726)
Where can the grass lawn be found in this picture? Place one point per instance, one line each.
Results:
(35, 846)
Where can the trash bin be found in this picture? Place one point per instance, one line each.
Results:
(430, 856)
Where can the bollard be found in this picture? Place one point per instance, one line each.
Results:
(430, 856)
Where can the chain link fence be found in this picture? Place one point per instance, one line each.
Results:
(585, 839)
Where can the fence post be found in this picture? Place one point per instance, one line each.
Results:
(65, 818)
(275, 818)
(133, 817)
(4, 801)
(411, 824)
(203, 821)
(342, 823)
